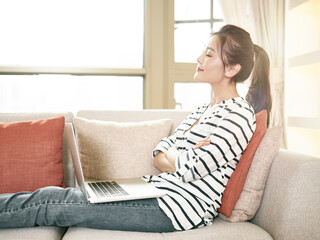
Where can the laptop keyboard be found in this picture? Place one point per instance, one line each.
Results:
(107, 189)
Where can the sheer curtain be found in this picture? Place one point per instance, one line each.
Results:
(264, 20)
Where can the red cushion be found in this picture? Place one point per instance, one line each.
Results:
(31, 155)
(236, 182)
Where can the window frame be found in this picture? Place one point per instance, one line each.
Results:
(180, 71)
(210, 20)
(35, 70)
(159, 70)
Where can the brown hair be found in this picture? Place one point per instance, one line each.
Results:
(236, 47)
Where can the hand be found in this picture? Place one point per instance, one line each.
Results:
(204, 142)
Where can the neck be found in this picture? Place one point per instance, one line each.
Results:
(221, 92)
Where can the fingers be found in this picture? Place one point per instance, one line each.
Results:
(204, 142)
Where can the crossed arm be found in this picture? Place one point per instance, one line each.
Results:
(165, 162)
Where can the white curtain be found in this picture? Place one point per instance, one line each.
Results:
(264, 20)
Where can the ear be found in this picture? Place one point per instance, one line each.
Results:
(232, 70)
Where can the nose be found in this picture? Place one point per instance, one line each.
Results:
(200, 58)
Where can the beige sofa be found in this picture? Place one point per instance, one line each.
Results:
(289, 208)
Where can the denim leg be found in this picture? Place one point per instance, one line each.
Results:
(53, 206)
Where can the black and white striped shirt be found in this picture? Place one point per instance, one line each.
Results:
(194, 191)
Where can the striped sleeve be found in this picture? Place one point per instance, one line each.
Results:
(229, 138)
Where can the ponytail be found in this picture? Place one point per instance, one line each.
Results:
(259, 93)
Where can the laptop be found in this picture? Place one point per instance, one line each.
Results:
(106, 190)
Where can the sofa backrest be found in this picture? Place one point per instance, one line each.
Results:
(135, 116)
(290, 205)
(119, 116)
(69, 177)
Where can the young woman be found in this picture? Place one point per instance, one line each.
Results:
(196, 161)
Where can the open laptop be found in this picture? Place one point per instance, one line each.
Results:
(108, 190)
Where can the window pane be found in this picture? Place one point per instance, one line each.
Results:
(191, 9)
(29, 93)
(87, 33)
(217, 12)
(217, 26)
(189, 96)
(190, 40)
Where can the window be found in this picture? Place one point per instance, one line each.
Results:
(193, 22)
(57, 92)
(64, 47)
(82, 51)
(72, 33)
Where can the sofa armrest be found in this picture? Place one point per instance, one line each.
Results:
(290, 206)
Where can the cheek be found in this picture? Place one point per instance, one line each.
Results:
(214, 72)
(215, 68)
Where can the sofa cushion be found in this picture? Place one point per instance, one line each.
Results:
(219, 230)
(251, 195)
(222, 230)
(33, 233)
(118, 150)
(236, 182)
(76, 233)
(31, 154)
(68, 170)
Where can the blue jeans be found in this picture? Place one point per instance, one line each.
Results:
(54, 206)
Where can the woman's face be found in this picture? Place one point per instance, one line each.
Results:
(210, 67)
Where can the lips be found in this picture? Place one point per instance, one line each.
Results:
(199, 69)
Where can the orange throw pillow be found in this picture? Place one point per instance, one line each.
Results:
(31, 155)
(237, 179)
